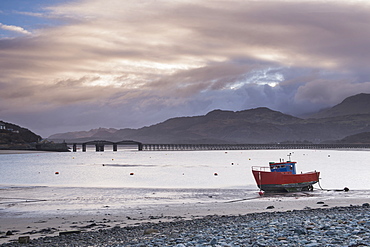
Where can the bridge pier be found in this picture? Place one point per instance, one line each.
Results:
(74, 147)
(83, 147)
(115, 147)
(99, 147)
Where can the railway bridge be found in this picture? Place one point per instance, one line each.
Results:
(191, 147)
(100, 146)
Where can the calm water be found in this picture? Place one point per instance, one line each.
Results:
(177, 169)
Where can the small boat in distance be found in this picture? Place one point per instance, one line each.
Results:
(282, 177)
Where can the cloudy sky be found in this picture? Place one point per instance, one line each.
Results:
(80, 64)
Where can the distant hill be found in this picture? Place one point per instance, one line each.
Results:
(96, 133)
(357, 104)
(259, 125)
(254, 125)
(11, 133)
(15, 137)
(363, 137)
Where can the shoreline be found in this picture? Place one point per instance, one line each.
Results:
(312, 227)
(5, 151)
(39, 219)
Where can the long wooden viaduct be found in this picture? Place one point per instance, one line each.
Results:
(191, 147)
(100, 146)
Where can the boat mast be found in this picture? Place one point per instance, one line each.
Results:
(290, 154)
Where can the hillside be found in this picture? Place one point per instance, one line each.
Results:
(96, 133)
(354, 105)
(259, 125)
(14, 134)
(363, 137)
(17, 138)
(256, 125)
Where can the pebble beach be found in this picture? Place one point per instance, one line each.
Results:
(319, 218)
(337, 226)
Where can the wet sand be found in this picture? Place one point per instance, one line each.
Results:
(47, 211)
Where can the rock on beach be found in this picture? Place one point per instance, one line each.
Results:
(337, 226)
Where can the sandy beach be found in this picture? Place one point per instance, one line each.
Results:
(37, 211)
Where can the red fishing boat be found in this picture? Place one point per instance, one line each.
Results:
(282, 177)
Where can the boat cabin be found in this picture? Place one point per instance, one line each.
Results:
(284, 167)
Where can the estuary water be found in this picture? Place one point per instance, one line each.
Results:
(178, 169)
(62, 191)
(87, 182)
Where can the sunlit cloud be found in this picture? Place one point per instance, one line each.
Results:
(14, 29)
(30, 13)
(160, 59)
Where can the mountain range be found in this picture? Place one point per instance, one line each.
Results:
(260, 125)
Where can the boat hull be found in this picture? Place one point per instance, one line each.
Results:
(280, 182)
